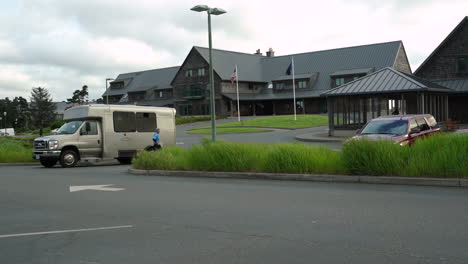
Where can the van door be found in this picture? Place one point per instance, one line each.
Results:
(90, 140)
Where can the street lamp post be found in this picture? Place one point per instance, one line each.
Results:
(4, 115)
(107, 96)
(210, 11)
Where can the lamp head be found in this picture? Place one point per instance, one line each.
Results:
(217, 11)
(200, 8)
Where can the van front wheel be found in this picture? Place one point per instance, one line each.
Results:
(48, 163)
(125, 160)
(68, 159)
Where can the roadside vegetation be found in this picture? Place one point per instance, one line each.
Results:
(283, 121)
(228, 156)
(443, 155)
(14, 150)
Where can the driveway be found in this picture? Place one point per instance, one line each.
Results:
(186, 140)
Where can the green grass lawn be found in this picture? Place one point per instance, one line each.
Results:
(14, 150)
(226, 130)
(285, 121)
(180, 120)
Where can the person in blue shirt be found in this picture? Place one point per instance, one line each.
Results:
(156, 140)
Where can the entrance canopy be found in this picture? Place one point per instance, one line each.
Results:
(384, 92)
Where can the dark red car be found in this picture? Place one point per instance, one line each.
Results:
(403, 129)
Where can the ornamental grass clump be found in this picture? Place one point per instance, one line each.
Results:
(444, 155)
(299, 158)
(225, 156)
(382, 157)
(170, 158)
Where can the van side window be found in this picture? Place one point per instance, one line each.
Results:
(92, 128)
(146, 122)
(124, 122)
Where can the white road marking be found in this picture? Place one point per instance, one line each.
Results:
(66, 231)
(103, 187)
(179, 143)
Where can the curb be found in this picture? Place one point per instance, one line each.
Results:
(19, 164)
(308, 138)
(437, 182)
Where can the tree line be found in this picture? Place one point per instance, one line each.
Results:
(39, 112)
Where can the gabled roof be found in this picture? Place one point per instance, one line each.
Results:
(457, 85)
(144, 80)
(224, 63)
(464, 20)
(256, 68)
(387, 80)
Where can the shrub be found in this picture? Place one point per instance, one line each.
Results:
(56, 124)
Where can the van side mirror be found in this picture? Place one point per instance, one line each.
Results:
(88, 127)
(358, 131)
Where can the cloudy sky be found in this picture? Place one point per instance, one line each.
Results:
(64, 44)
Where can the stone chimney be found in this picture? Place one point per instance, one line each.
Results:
(270, 53)
(258, 52)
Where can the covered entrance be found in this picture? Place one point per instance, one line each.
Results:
(385, 92)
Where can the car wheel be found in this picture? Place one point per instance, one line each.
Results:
(68, 158)
(125, 160)
(48, 163)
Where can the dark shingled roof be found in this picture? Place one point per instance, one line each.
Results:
(256, 68)
(319, 65)
(457, 85)
(387, 80)
(144, 80)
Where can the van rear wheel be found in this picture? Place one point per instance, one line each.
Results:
(68, 159)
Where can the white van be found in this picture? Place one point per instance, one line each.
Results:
(100, 132)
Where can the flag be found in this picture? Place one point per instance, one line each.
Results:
(288, 71)
(234, 75)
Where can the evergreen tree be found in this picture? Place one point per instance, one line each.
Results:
(42, 107)
(79, 96)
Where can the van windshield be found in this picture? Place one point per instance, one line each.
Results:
(69, 128)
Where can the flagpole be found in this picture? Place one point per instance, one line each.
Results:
(237, 90)
(294, 88)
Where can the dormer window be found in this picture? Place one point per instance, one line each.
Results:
(339, 81)
(463, 64)
(117, 85)
(301, 84)
(279, 86)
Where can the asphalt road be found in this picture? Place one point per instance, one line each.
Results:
(187, 220)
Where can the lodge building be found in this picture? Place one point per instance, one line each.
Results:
(352, 84)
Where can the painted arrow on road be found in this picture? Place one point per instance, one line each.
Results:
(104, 187)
